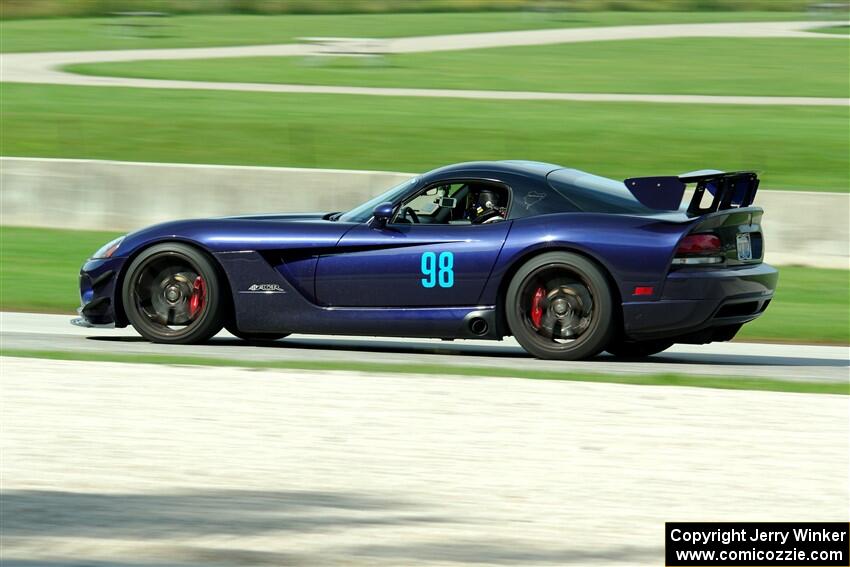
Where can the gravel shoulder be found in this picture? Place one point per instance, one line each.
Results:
(141, 464)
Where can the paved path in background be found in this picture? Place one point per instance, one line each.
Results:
(121, 464)
(793, 362)
(44, 67)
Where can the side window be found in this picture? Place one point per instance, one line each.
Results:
(534, 198)
(594, 194)
(459, 202)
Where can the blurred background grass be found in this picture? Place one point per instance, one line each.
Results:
(794, 147)
(707, 66)
(65, 34)
(77, 8)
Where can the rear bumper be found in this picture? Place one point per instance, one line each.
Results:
(702, 305)
(98, 291)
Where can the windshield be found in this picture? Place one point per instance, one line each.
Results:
(363, 212)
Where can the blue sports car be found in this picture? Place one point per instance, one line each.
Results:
(569, 263)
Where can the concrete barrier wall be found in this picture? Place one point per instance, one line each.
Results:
(90, 194)
(805, 228)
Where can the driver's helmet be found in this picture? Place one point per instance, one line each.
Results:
(485, 207)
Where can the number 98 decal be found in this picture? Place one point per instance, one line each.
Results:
(438, 270)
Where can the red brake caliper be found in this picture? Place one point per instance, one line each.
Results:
(199, 297)
(536, 310)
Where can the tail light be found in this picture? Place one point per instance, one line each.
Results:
(699, 249)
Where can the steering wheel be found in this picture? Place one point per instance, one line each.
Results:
(409, 212)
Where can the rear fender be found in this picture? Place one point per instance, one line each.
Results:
(635, 251)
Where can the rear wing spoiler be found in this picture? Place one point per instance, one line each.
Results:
(729, 190)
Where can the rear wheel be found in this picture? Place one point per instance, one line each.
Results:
(172, 294)
(637, 349)
(559, 306)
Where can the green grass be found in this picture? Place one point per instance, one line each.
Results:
(38, 271)
(67, 34)
(718, 382)
(712, 66)
(793, 147)
(21, 9)
(39, 267)
(810, 304)
(838, 30)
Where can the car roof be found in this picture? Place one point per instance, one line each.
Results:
(601, 194)
(521, 167)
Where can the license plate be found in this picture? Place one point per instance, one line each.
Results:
(745, 248)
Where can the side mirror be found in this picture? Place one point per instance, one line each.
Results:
(382, 214)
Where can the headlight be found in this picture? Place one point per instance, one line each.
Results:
(108, 249)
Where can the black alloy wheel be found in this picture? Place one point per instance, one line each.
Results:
(559, 306)
(172, 294)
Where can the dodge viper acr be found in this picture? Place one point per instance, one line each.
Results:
(569, 263)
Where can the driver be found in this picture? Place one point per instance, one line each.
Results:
(485, 208)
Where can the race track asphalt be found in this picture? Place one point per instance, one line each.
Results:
(26, 331)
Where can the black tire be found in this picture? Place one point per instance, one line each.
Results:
(162, 304)
(637, 349)
(250, 337)
(577, 305)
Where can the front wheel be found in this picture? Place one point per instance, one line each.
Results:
(172, 294)
(559, 306)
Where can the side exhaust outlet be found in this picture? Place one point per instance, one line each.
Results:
(479, 326)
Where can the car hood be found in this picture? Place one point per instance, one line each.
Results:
(278, 217)
(244, 232)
